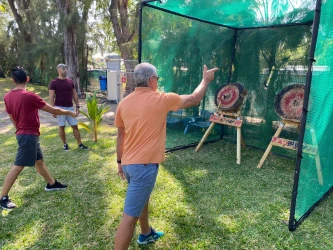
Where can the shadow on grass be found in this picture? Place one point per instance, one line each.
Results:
(78, 217)
(225, 199)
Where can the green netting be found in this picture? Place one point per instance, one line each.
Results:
(318, 129)
(178, 47)
(178, 37)
(242, 14)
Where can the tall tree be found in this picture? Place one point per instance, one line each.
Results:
(83, 49)
(68, 16)
(24, 24)
(124, 16)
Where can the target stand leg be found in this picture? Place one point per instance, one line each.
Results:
(239, 135)
(269, 148)
(234, 121)
(205, 136)
(317, 157)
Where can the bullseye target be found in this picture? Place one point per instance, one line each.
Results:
(229, 97)
(289, 102)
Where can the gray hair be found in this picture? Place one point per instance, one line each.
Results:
(142, 73)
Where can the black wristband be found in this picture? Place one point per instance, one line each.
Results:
(118, 161)
(77, 107)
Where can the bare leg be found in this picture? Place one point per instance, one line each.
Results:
(44, 172)
(125, 232)
(144, 222)
(76, 134)
(62, 134)
(10, 179)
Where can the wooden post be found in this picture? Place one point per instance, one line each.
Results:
(220, 118)
(268, 149)
(290, 144)
(317, 157)
(205, 136)
(239, 133)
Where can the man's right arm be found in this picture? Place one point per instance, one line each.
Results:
(197, 95)
(56, 111)
(51, 96)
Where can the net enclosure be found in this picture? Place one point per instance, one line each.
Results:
(265, 46)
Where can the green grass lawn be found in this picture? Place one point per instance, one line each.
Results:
(201, 200)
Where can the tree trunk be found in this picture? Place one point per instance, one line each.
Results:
(82, 44)
(125, 34)
(66, 10)
(24, 23)
(24, 26)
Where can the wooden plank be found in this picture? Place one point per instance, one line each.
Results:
(290, 144)
(228, 114)
(226, 121)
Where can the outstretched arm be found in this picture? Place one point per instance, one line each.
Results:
(197, 95)
(56, 111)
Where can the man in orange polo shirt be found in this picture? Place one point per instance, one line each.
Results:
(141, 122)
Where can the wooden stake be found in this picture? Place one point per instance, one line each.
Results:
(268, 149)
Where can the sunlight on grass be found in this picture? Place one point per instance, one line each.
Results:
(5, 213)
(27, 236)
(32, 89)
(9, 142)
(45, 129)
(228, 222)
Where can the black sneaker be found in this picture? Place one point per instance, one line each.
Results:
(6, 203)
(83, 147)
(66, 146)
(55, 187)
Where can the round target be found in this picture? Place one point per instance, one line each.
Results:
(289, 102)
(229, 97)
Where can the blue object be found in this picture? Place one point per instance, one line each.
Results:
(153, 236)
(102, 82)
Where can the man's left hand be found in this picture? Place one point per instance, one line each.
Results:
(120, 172)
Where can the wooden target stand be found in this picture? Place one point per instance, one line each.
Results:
(229, 119)
(293, 145)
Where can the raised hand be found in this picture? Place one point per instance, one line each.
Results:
(208, 75)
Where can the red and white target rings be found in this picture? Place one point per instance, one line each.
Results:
(229, 97)
(289, 102)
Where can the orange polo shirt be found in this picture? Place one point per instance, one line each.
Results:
(143, 115)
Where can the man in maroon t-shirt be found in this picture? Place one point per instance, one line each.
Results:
(22, 108)
(62, 93)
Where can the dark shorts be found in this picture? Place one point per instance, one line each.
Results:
(141, 181)
(28, 151)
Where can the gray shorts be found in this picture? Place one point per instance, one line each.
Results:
(141, 181)
(28, 151)
(63, 118)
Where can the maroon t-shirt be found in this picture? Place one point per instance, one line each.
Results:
(63, 92)
(23, 106)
